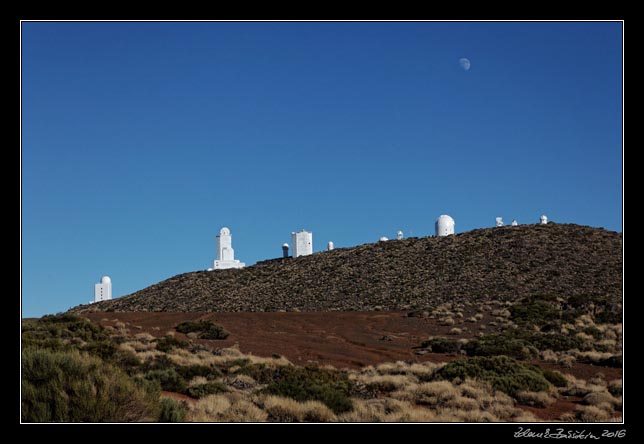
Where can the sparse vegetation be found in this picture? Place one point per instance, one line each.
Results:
(476, 267)
(227, 385)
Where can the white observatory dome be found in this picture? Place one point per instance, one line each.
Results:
(383, 239)
(444, 225)
(399, 235)
(543, 219)
(285, 245)
(106, 280)
(225, 231)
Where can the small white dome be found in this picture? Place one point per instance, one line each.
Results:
(106, 280)
(225, 231)
(285, 245)
(384, 239)
(444, 225)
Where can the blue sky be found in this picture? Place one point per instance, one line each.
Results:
(141, 140)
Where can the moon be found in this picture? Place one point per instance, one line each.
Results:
(465, 63)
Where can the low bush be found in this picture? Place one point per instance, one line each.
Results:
(555, 378)
(499, 344)
(441, 345)
(70, 387)
(501, 372)
(205, 329)
(534, 399)
(201, 390)
(168, 379)
(535, 311)
(331, 387)
(167, 343)
(172, 411)
(105, 350)
(520, 344)
(188, 372)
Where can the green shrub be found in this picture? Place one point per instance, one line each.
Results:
(168, 378)
(190, 371)
(499, 344)
(172, 411)
(69, 387)
(201, 390)
(206, 329)
(520, 344)
(593, 331)
(330, 387)
(105, 350)
(555, 378)
(501, 372)
(167, 343)
(535, 310)
(441, 345)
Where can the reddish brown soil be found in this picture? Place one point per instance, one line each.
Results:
(341, 339)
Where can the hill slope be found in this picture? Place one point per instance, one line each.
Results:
(499, 263)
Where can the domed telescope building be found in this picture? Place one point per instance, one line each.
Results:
(444, 225)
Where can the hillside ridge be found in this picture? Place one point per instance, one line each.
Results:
(503, 263)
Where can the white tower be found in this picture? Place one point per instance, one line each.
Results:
(225, 253)
(330, 246)
(515, 223)
(499, 222)
(103, 291)
(399, 235)
(444, 225)
(543, 219)
(302, 243)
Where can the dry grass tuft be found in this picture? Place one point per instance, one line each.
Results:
(281, 409)
(229, 407)
(535, 399)
(197, 380)
(591, 413)
(385, 383)
(599, 398)
(446, 321)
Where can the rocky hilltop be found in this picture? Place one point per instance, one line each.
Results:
(494, 263)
